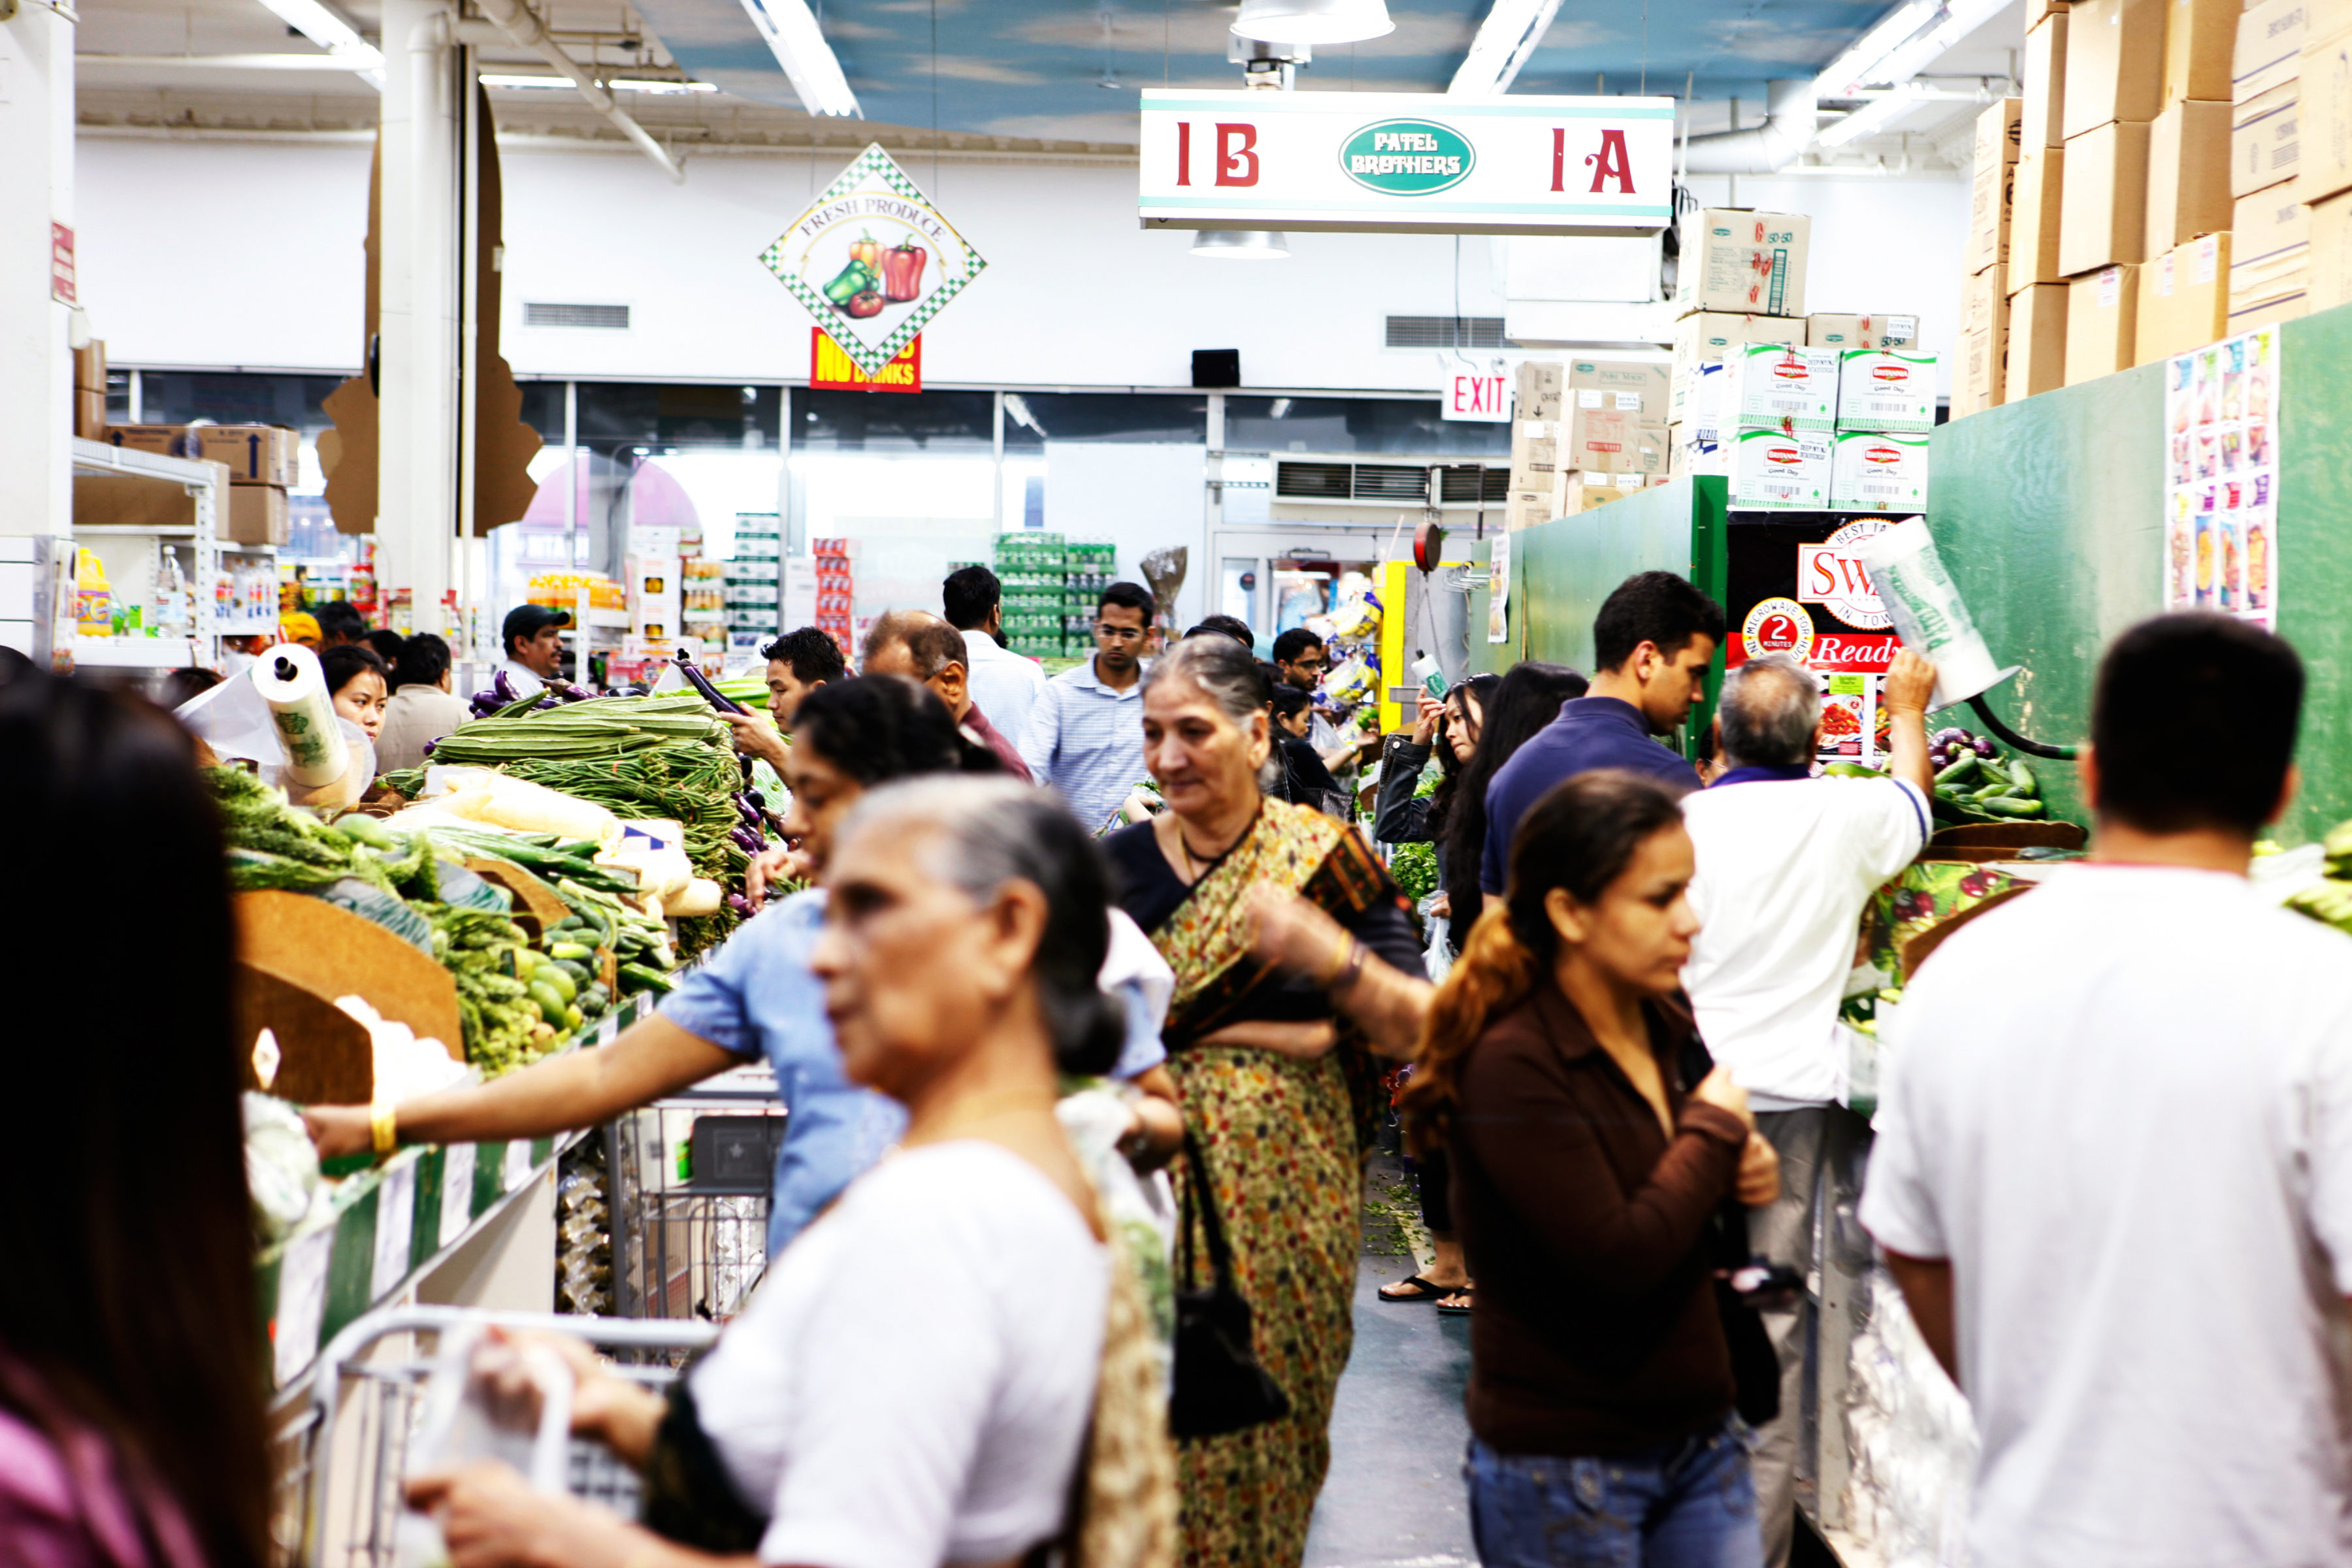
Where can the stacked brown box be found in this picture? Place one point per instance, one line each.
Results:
(2188, 173)
(2270, 258)
(2000, 140)
(260, 458)
(2103, 211)
(89, 391)
(2184, 299)
(1585, 432)
(2037, 340)
(2325, 165)
(2102, 323)
(2331, 253)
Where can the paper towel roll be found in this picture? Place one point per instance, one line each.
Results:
(1928, 613)
(290, 682)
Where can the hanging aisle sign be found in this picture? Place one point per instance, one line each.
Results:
(873, 260)
(1404, 162)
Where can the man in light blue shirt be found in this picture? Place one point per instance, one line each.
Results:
(1086, 733)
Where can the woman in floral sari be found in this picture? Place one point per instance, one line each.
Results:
(1294, 957)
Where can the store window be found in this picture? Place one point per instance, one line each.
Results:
(1033, 418)
(1411, 426)
(312, 544)
(894, 421)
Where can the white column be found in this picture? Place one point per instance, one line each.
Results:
(419, 382)
(36, 168)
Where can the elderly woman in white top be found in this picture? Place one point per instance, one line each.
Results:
(911, 1385)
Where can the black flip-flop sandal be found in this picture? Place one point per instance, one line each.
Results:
(1423, 1291)
(1467, 1293)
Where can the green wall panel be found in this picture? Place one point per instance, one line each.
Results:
(2313, 565)
(2050, 514)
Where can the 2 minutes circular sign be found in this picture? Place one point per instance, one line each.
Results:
(1407, 157)
(1778, 626)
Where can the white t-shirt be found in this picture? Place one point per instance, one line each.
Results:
(909, 1385)
(1784, 867)
(1005, 685)
(2122, 1105)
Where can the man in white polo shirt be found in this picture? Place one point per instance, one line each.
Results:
(1786, 863)
(2114, 1167)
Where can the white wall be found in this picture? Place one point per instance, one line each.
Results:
(229, 253)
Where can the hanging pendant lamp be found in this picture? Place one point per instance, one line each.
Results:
(1313, 21)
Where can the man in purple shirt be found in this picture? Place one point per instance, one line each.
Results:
(1654, 639)
(921, 647)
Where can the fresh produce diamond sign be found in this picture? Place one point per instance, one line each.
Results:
(873, 260)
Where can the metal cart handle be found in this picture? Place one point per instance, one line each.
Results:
(643, 1333)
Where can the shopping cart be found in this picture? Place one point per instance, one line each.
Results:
(691, 1177)
(340, 1450)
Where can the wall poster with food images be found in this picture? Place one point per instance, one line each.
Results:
(2221, 476)
(873, 260)
(1797, 585)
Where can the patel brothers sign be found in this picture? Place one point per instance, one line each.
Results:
(1405, 161)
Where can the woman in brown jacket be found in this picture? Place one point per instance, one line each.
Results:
(1587, 1167)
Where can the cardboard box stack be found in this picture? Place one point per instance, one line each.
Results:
(835, 588)
(2270, 251)
(1885, 408)
(262, 461)
(1993, 232)
(1741, 285)
(89, 391)
(1585, 432)
(2324, 170)
(1779, 417)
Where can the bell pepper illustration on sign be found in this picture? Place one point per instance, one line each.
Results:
(902, 272)
(873, 260)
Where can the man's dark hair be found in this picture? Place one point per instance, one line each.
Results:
(876, 728)
(2194, 724)
(1293, 642)
(387, 644)
(1127, 596)
(967, 597)
(1232, 626)
(1289, 700)
(423, 659)
(812, 654)
(341, 618)
(525, 622)
(1654, 607)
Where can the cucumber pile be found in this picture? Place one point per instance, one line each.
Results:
(1974, 783)
(2330, 901)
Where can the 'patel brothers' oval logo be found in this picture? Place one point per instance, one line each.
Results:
(1407, 157)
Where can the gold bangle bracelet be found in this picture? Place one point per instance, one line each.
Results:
(384, 1129)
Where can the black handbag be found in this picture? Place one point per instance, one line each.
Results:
(1754, 1366)
(1220, 1386)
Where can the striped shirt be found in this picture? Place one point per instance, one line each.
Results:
(1086, 740)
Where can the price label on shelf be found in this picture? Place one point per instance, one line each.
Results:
(395, 1227)
(301, 1301)
(456, 1191)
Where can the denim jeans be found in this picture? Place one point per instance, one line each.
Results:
(1690, 1503)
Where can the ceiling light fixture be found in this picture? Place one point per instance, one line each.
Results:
(528, 83)
(656, 84)
(1242, 244)
(1313, 21)
(1505, 40)
(792, 35)
(334, 32)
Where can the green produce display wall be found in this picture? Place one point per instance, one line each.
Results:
(1563, 570)
(2049, 513)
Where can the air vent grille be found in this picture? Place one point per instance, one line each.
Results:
(1446, 332)
(1311, 481)
(1384, 481)
(595, 318)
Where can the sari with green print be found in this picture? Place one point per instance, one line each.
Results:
(1284, 1139)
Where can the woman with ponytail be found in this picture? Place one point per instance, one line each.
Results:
(922, 1375)
(1593, 1141)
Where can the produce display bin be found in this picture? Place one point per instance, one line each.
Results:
(340, 1450)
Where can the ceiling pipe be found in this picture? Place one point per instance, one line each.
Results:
(1791, 114)
(524, 28)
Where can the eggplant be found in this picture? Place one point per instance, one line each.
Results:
(751, 843)
(1985, 748)
(710, 694)
(740, 904)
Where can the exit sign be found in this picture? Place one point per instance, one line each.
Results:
(1484, 396)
